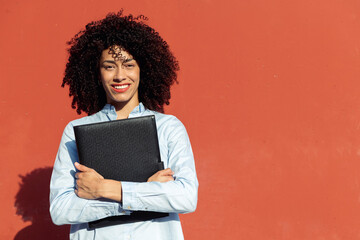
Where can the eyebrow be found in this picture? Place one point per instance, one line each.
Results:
(128, 60)
(114, 62)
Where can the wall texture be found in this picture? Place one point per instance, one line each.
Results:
(269, 92)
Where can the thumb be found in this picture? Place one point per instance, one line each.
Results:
(81, 167)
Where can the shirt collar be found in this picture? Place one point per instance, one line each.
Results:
(108, 109)
(138, 109)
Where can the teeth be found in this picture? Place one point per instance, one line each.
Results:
(121, 87)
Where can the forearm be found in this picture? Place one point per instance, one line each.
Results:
(67, 208)
(111, 189)
(179, 196)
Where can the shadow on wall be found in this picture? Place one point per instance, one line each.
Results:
(32, 204)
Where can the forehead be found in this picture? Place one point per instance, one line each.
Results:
(116, 53)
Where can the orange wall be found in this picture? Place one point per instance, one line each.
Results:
(269, 92)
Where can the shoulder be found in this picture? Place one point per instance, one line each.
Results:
(168, 126)
(165, 120)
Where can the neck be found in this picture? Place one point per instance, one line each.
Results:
(124, 109)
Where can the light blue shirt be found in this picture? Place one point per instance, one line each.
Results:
(179, 196)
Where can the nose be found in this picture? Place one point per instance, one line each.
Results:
(120, 74)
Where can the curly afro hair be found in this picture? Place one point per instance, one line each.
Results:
(158, 66)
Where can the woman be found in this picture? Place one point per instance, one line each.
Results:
(121, 68)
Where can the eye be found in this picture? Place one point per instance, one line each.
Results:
(129, 65)
(109, 67)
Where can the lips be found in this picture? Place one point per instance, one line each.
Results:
(120, 88)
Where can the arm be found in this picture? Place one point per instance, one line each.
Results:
(179, 196)
(91, 185)
(65, 206)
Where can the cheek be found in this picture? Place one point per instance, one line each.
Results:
(105, 77)
(136, 75)
(103, 80)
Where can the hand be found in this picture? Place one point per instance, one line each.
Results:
(88, 182)
(165, 175)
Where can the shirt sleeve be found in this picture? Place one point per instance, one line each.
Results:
(65, 206)
(179, 196)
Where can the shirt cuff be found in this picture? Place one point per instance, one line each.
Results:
(130, 199)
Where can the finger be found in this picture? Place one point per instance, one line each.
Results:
(167, 171)
(79, 193)
(81, 167)
(78, 183)
(166, 175)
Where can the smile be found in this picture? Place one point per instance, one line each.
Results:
(120, 88)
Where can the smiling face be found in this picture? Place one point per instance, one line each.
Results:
(120, 77)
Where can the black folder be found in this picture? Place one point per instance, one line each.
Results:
(123, 150)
